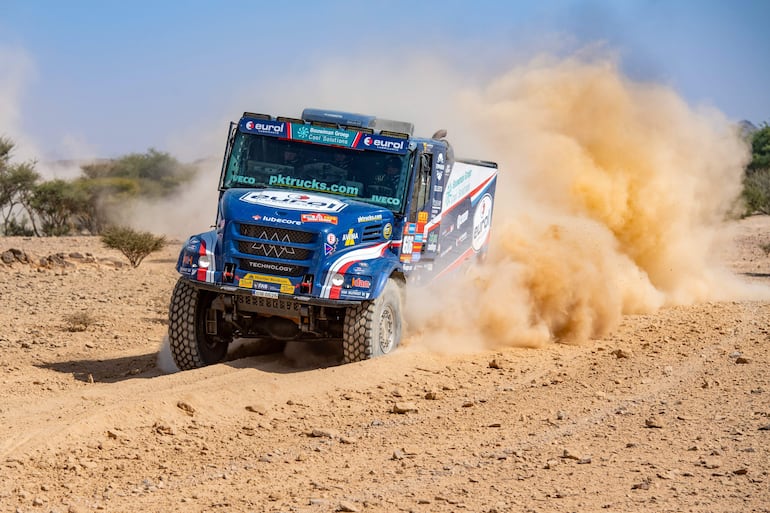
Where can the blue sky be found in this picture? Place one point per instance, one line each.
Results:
(101, 78)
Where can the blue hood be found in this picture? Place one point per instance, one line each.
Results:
(290, 208)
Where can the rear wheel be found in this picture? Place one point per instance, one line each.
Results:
(190, 343)
(373, 328)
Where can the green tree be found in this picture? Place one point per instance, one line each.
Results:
(98, 201)
(756, 192)
(16, 184)
(156, 173)
(54, 203)
(760, 149)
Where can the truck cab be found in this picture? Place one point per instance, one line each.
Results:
(323, 223)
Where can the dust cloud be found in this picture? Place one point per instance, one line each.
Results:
(611, 200)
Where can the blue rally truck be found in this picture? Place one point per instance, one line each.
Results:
(322, 223)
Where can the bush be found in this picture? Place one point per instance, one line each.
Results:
(756, 192)
(133, 244)
(79, 321)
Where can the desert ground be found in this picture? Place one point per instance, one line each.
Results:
(670, 412)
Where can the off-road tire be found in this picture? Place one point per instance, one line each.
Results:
(190, 346)
(373, 328)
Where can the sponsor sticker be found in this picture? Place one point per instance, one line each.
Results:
(318, 217)
(331, 239)
(482, 219)
(370, 218)
(350, 238)
(387, 200)
(276, 220)
(461, 219)
(293, 201)
(248, 282)
(360, 283)
(387, 230)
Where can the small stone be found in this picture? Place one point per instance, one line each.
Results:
(397, 393)
(570, 455)
(741, 471)
(741, 360)
(318, 502)
(644, 485)
(185, 407)
(324, 433)
(551, 464)
(710, 463)
(349, 440)
(766, 427)
(561, 415)
(257, 408)
(495, 364)
(585, 460)
(163, 429)
(398, 454)
(620, 353)
(37, 501)
(431, 395)
(653, 423)
(347, 506)
(402, 408)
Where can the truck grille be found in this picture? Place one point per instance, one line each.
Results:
(275, 268)
(371, 232)
(265, 249)
(276, 234)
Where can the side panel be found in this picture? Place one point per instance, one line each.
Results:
(462, 229)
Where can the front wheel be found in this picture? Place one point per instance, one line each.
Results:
(192, 346)
(373, 328)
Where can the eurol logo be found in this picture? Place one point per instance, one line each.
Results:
(265, 127)
(293, 201)
(381, 144)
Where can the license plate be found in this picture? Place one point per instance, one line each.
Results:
(269, 305)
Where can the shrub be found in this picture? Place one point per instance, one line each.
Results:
(79, 321)
(756, 192)
(133, 244)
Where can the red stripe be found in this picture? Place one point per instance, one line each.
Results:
(358, 138)
(483, 184)
(201, 275)
(474, 191)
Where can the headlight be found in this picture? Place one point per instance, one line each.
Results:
(204, 261)
(338, 280)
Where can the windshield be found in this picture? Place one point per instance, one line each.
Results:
(264, 161)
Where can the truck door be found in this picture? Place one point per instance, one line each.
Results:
(421, 231)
